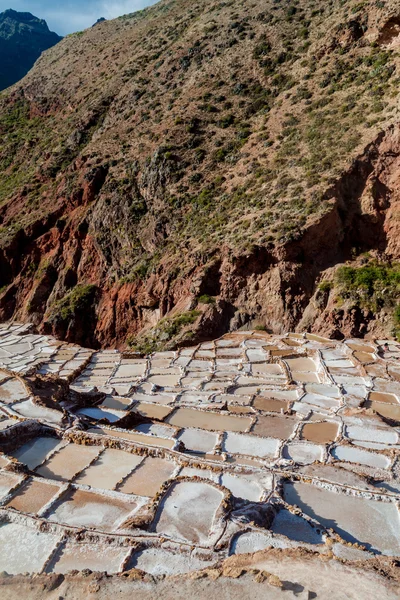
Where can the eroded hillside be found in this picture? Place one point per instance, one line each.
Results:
(207, 164)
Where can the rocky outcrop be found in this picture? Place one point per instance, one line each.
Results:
(275, 286)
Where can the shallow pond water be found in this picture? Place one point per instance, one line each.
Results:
(153, 411)
(269, 405)
(382, 397)
(302, 365)
(140, 438)
(116, 403)
(7, 482)
(276, 427)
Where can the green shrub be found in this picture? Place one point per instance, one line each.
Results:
(168, 328)
(325, 286)
(226, 121)
(373, 286)
(368, 279)
(79, 299)
(206, 299)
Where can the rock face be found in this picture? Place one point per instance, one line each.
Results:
(205, 158)
(23, 38)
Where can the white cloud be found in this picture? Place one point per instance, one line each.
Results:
(111, 9)
(67, 16)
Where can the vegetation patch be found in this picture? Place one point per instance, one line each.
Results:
(206, 299)
(375, 286)
(161, 336)
(79, 299)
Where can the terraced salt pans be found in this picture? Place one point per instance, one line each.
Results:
(234, 424)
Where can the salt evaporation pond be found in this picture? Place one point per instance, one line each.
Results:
(251, 541)
(96, 557)
(7, 482)
(362, 457)
(198, 440)
(275, 427)
(33, 496)
(296, 528)
(12, 391)
(235, 443)
(111, 467)
(148, 477)
(391, 411)
(33, 411)
(241, 487)
(187, 417)
(368, 434)
(320, 433)
(187, 513)
(33, 453)
(373, 524)
(68, 461)
(122, 499)
(24, 549)
(87, 509)
(303, 454)
(157, 561)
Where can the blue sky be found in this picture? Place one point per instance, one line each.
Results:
(67, 16)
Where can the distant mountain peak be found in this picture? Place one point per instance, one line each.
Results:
(101, 20)
(23, 37)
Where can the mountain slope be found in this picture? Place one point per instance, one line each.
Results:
(23, 38)
(230, 151)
